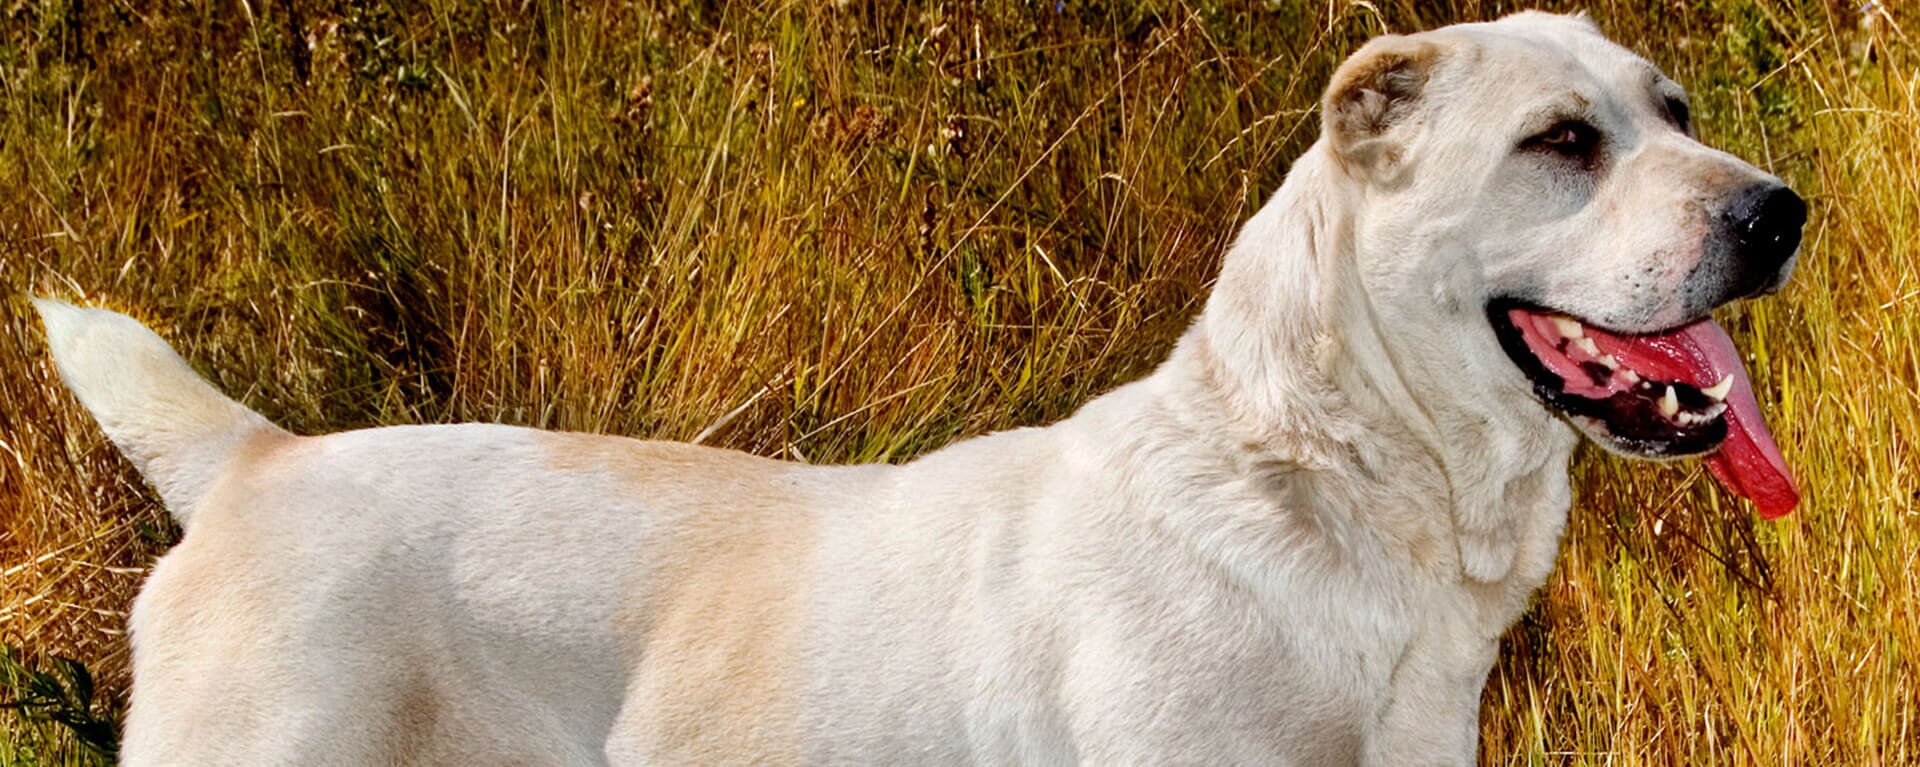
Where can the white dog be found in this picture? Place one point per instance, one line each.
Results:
(1296, 542)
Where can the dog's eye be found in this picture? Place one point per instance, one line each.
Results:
(1568, 138)
(1681, 115)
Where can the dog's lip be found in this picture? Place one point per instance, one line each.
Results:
(1503, 305)
(1582, 353)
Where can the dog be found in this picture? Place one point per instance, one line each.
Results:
(1296, 542)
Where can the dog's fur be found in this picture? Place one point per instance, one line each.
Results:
(1296, 542)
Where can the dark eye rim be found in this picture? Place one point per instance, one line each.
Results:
(1567, 138)
(1680, 113)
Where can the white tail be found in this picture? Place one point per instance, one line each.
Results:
(177, 429)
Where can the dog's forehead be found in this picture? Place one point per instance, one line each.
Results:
(1549, 52)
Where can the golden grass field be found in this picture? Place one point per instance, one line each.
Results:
(855, 231)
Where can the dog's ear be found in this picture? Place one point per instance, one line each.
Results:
(1377, 90)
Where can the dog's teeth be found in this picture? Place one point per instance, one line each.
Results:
(1609, 361)
(1713, 411)
(1669, 403)
(1629, 376)
(1568, 328)
(1586, 345)
(1719, 390)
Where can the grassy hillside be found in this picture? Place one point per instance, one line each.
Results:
(850, 231)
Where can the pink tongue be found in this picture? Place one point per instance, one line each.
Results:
(1749, 463)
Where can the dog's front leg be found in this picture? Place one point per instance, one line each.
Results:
(1431, 715)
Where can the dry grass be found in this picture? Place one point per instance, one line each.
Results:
(854, 233)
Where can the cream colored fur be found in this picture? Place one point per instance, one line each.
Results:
(1297, 542)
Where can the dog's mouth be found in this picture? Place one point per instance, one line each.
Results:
(1678, 392)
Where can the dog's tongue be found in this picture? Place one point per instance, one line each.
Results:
(1749, 463)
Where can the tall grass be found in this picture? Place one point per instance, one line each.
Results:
(854, 232)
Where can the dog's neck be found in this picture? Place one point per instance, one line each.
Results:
(1294, 356)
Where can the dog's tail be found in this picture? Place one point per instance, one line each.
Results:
(177, 429)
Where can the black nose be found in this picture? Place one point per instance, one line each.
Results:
(1766, 224)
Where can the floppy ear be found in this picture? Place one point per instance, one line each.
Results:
(1375, 92)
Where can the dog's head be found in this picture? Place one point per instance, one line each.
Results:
(1537, 204)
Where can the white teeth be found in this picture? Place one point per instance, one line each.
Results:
(1629, 376)
(1719, 390)
(1669, 403)
(1568, 328)
(1586, 344)
(1703, 416)
(1690, 418)
(1609, 361)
